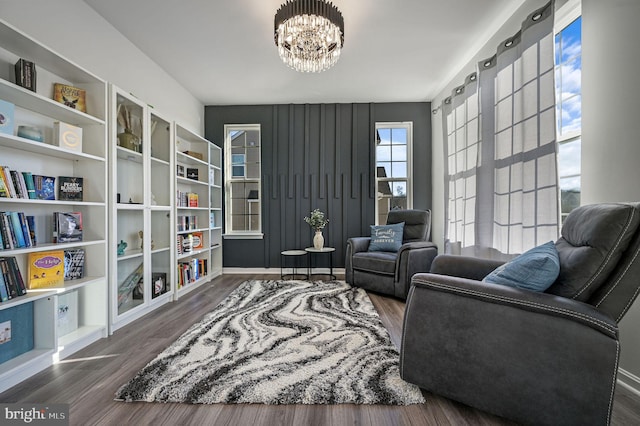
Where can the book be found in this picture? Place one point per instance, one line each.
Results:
(12, 289)
(70, 188)
(4, 293)
(14, 218)
(26, 232)
(31, 188)
(16, 184)
(4, 191)
(46, 269)
(193, 199)
(68, 227)
(7, 111)
(15, 270)
(26, 74)
(73, 264)
(67, 136)
(45, 187)
(198, 240)
(180, 170)
(192, 173)
(6, 174)
(159, 284)
(194, 154)
(31, 223)
(12, 277)
(73, 97)
(5, 228)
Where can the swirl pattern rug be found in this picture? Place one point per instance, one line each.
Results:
(280, 342)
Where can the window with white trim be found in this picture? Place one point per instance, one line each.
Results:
(243, 201)
(393, 142)
(568, 70)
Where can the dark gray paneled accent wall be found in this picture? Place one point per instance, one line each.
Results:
(319, 156)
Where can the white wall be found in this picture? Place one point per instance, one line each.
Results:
(610, 124)
(74, 30)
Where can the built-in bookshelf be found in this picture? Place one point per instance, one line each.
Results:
(60, 319)
(215, 207)
(198, 237)
(141, 241)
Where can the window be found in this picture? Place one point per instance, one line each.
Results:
(568, 70)
(243, 206)
(393, 168)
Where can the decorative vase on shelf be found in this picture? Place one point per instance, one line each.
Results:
(318, 240)
(129, 140)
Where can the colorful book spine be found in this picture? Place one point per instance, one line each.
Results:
(4, 294)
(31, 189)
(17, 230)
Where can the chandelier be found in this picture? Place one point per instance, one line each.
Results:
(309, 34)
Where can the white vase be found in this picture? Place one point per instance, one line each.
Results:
(318, 240)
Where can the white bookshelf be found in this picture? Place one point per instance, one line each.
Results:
(37, 109)
(196, 153)
(141, 200)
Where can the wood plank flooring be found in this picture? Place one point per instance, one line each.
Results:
(88, 380)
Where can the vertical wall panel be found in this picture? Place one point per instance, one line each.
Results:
(318, 156)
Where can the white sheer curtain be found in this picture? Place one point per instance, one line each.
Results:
(462, 144)
(516, 194)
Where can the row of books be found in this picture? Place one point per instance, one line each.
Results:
(191, 271)
(17, 230)
(187, 223)
(11, 282)
(187, 243)
(14, 184)
(186, 199)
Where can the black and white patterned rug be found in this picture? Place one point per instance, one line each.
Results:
(280, 342)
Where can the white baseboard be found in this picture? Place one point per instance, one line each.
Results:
(629, 381)
(276, 271)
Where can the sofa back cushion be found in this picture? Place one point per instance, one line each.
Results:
(417, 224)
(594, 237)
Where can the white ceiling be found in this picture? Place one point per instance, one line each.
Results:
(222, 51)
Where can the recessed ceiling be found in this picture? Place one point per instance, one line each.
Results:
(223, 51)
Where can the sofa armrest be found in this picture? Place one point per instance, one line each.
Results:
(358, 244)
(510, 351)
(525, 300)
(413, 257)
(354, 245)
(464, 266)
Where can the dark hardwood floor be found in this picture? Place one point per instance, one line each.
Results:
(89, 379)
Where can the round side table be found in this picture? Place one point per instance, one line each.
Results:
(315, 252)
(295, 255)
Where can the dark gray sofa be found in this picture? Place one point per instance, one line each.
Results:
(538, 358)
(390, 272)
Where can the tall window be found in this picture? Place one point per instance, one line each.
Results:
(242, 181)
(393, 168)
(568, 68)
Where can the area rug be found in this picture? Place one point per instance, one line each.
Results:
(280, 342)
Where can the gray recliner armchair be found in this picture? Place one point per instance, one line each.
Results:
(537, 358)
(391, 272)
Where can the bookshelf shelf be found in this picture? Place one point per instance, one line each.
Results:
(44, 158)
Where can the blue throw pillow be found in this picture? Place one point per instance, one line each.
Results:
(386, 237)
(535, 269)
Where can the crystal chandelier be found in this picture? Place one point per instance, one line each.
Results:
(309, 34)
